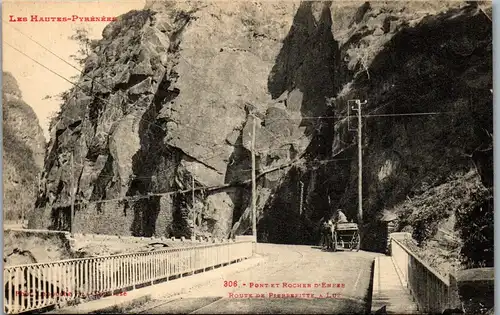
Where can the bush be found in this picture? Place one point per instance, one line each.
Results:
(476, 227)
(464, 196)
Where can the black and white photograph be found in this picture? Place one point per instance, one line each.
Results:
(247, 157)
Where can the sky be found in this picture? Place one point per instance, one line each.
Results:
(35, 81)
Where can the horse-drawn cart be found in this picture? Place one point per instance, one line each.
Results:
(346, 236)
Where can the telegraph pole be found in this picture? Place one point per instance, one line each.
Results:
(72, 195)
(301, 197)
(194, 209)
(360, 167)
(254, 194)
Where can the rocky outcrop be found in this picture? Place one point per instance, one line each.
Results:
(167, 100)
(23, 151)
(170, 96)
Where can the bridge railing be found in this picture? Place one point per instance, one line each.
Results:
(432, 292)
(36, 286)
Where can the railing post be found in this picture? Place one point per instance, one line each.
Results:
(134, 270)
(152, 268)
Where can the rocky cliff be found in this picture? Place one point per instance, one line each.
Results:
(170, 97)
(23, 151)
(427, 124)
(166, 101)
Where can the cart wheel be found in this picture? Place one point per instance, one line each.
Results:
(352, 243)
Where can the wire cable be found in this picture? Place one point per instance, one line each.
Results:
(76, 85)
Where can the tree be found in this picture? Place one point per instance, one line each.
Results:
(85, 47)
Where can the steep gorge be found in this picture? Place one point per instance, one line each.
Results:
(23, 151)
(169, 96)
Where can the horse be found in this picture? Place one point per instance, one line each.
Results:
(327, 236)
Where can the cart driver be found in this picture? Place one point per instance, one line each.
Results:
(340, 217)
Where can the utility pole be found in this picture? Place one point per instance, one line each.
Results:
(194, 209)
(360, 167)
(72, 187)
(301, 197)
(254, 194)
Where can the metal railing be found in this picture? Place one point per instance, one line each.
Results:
(432, 292)
(36, 286)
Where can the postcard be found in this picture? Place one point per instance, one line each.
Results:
(240, 157)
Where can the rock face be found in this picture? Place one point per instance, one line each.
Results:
(23, 151)
(167, 100)
(170, 97)
(428, 85)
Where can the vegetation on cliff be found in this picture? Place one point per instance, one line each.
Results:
(452, 223)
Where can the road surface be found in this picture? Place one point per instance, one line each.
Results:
(295, 279)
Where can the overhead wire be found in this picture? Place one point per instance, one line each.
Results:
(192, 66)
(47, 68)
(127, 98)
(123, 98)
(73, 96)
(189, 127)
(75, 84)
(215, 187)
(133, 177)
(199, 130)
(202, 159)
(100, 83)
(203, 188)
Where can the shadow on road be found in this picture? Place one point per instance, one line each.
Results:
(331, 251)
